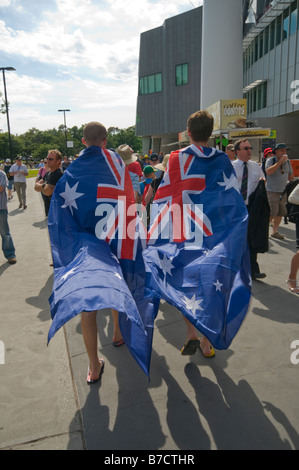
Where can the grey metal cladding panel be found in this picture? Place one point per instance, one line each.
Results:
(151, 58)
(149, 114)
(178, 41)
(183, 100)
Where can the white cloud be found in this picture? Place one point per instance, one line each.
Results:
(91, 51)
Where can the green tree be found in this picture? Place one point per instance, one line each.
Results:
(117, 137)
(4, 146)
(2, 105)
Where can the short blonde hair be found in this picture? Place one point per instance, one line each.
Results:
(57, 154)
(94, 133)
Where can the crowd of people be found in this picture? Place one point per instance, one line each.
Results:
(263, 188)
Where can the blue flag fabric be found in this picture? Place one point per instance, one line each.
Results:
(97, 244)
(197, 254)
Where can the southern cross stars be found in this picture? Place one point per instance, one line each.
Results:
(166, 265)
(229, 183)
(193, 305)
(70, 195)
(218, 286)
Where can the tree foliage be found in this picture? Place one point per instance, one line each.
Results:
(35, 144)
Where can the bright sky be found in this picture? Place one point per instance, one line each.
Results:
(77, 55)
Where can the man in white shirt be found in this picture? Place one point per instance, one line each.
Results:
(19, 172)
(249, 174)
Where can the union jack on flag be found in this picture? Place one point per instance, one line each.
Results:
(208, 279)
(177, 211)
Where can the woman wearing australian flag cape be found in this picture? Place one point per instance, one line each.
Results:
(97, 241)
(197, 251)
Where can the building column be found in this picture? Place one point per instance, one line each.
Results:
(222, 55)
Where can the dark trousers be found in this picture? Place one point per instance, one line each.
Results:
(255, 269)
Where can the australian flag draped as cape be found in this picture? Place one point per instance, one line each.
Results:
(97, 243)
(197, 253)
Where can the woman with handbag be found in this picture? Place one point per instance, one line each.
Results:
(292, 279)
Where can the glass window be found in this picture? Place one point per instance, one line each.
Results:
(256, 49)
(294, 16)
(261, 53)
(141, 86)
(265, 94)
(254, 100)
(151, 84)
(266, 40)
(278, 30)
(259, 97)
(158, 78)
(286, 24)
(181, 73)
(272, 35)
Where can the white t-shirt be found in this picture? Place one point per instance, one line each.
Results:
(19, 178)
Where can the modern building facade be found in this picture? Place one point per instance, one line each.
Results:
(171, 80)
(271, 70)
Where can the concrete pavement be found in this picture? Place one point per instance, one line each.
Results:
(244, 398)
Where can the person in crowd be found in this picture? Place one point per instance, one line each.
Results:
(230, 152)
(66, 162)
(94, 268)
(41, 176)
(130, 160)
(6, 170)
(154, 162)
(7, 242)
(199, 188)
(19, 172)
(268, 152)
(46, 185)
(279, 171)
(292, 278)
(249, 174)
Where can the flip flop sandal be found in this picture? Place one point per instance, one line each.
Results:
(189, 349)
(117, 344)
(208, 356)
(91, 381)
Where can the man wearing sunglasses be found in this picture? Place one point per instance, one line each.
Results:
(47, 185)
(249, 174)
(279, 172)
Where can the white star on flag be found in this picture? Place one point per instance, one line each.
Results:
(64, 278)
(70, 195)
(166, 265)
(193, 305)
(229, 183)
(218, 286)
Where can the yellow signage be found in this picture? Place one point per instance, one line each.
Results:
(249, 133)
(229, 114)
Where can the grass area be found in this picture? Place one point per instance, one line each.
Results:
(32, 173)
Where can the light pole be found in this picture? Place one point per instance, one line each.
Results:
(6, 107)
(64, 111)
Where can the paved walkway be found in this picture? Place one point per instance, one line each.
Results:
(244, 398)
